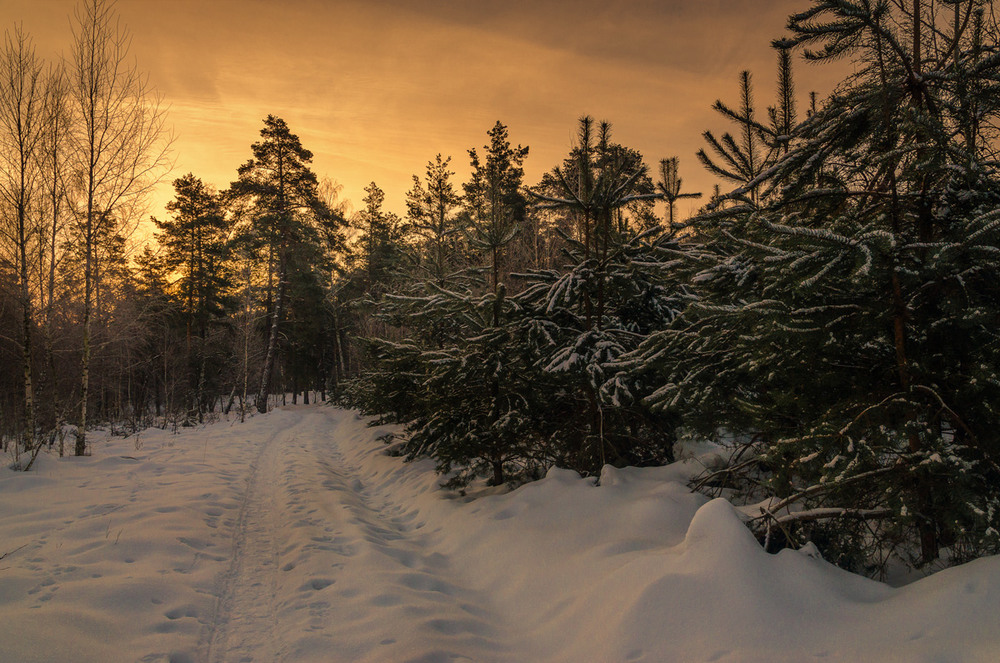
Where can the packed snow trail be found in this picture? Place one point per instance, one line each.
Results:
(244, 626)
(326, 568)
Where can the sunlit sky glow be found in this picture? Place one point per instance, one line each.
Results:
(376, 88)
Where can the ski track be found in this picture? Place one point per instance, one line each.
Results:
(322, 557)
(244, 626)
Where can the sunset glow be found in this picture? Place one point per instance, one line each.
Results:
(376, 89)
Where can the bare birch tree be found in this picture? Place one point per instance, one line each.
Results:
(52, 161)
(22, 104)
(120, 146)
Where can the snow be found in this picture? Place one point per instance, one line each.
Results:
(293, 537)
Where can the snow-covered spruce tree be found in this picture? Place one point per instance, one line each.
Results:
(601, 419)
(465, 382)
(605, 302)
(848, 322)
(487, 401)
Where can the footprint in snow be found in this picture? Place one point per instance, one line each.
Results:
(317, 584)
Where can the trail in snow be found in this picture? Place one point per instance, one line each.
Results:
(327, 568)
(244, 624)
(293, 538)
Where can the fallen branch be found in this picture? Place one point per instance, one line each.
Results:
(11, 552)
(34, 455)
(726, 470)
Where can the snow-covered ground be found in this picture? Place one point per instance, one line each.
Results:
(293, 537)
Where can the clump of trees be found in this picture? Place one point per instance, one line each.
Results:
(82, 142)
(501, 356)
(108, 331)
(844, 327)
(831, 320)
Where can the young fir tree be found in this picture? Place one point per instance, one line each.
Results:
(431, 212)
(602, 304)
(669, 186)
(738, 160)
(847, 324)
(744, 160)
(494, 204)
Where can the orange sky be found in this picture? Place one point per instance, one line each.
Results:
(376, 88)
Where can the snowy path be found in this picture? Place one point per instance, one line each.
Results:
(244, 627)
(327, 568)
(293, 538)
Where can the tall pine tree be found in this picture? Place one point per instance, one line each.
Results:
(286, 213)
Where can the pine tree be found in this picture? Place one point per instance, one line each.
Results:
(669, 187)
(847, 324)
(380, 245)
(494, 203)
(286, 213)
(194, 243)
(742, 160)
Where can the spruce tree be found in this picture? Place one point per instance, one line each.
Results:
(604, 302)
(494, 203)
(380, 248)
(432, 207)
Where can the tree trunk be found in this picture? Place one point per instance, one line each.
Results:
(81, 430)
(272, 342)
(26, 321)
(498, 475)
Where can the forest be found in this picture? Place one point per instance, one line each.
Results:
(830, 316)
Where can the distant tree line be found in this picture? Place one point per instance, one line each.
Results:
(830, 318)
